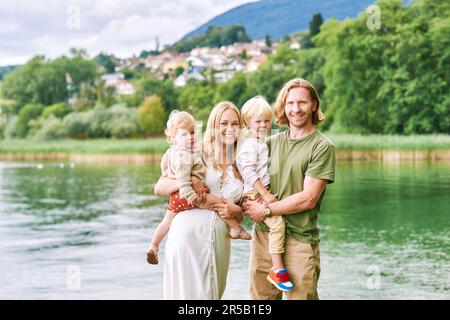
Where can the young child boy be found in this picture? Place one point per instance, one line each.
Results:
(252, 162)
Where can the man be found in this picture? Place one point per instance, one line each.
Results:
(302, 163)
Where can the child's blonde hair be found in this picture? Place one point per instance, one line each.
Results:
(178, 120)
(256, 106)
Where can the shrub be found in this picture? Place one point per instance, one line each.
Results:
(26, 114)
(51, 129)
(10, 128)
(76, 124)
(123, 122)
(59, 110)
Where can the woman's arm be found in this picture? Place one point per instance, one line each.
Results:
(166, 186)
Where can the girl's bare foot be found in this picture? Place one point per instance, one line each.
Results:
(152, 255)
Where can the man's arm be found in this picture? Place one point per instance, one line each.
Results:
(298, 202)
(301, 201)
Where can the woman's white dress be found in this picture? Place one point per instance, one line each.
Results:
(197, 252)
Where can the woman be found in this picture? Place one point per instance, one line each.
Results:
(197, 252)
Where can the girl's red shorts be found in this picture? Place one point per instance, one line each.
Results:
(177, 204)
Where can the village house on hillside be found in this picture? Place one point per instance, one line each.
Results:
(118, 81)
(254, 62)
(182, 79)
(294, 45)
(132, 63)
(167, 61)
(224, 61)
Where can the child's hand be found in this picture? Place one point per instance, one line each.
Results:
(199, 188)
(245, 205)
(269, 198)
(196, 201)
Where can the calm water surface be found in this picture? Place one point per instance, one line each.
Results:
(384, 230)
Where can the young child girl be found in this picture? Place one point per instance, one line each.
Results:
(252, 162)
(182, 161)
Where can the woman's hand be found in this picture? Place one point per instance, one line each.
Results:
(226, 209)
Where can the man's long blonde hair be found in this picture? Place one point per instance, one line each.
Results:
(212, 146)
(280, 104)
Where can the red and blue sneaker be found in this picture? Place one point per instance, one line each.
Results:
(280, 279)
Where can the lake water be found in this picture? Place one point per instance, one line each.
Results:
(81, 232)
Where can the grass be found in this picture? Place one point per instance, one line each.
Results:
(391, 143)
(100, 146)
(159, 145)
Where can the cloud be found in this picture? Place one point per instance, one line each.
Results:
(120, 27)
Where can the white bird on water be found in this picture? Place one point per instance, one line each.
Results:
(40, 166)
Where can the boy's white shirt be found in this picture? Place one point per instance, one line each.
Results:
(253, 163)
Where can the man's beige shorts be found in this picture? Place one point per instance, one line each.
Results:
(302, 260)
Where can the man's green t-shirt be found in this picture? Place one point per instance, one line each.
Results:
(289, 162)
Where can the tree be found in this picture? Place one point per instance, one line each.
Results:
(284, 56)
(235, 90)
(7, 69)
(43, 81)
(268, 40)
(196, 94)
(178, 71)
(108, 62)
(244, 55)
(314, 24)
(314, 29)
(215, 37)
(392, 80)
(268, 80)
(164, 89)
(152, 116)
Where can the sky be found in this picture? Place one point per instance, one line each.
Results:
(120, 27)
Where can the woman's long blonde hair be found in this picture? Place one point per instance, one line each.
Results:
(212, 146)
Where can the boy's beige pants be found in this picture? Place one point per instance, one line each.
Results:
(302, 260)
(276, 225)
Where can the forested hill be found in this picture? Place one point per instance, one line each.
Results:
(6, 69)
(283, 17)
